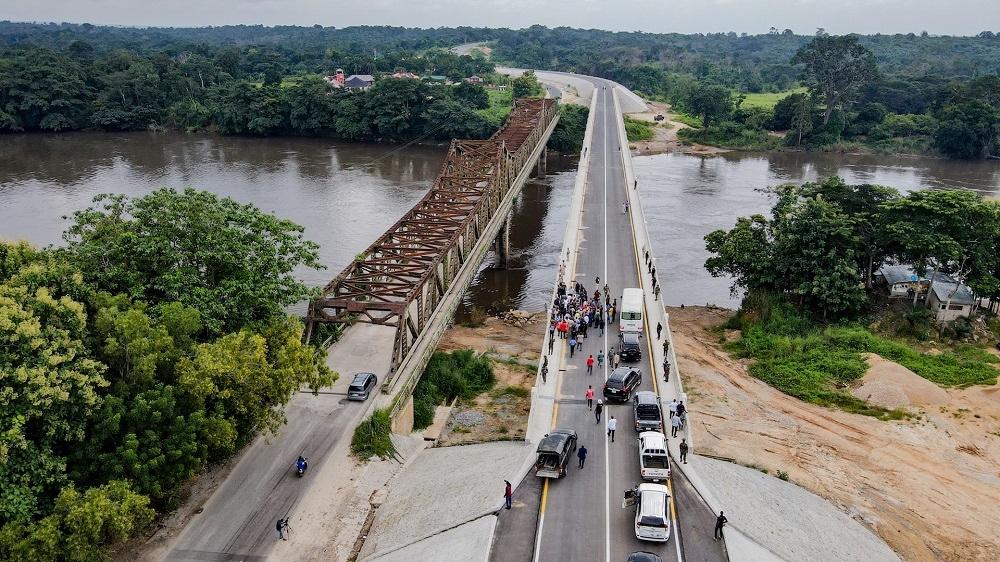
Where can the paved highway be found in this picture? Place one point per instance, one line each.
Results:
(580, 516)
(237, 522)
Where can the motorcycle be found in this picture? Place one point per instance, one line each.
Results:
(301, 465)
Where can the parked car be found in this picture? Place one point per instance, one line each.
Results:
(554, 452)
(652, 508)
(654, 459)
(644, 557)
(646, 407)
(361, 386)
(622, 382)
(630, 348)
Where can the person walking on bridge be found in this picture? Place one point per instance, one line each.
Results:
(582, 455)
(590, 397)
(590, 365)
(612, 425)
(600, 359)
(659, 330)
(624, 207)
(572, 346)
(598, 410)
(684, 451)
(508, 494)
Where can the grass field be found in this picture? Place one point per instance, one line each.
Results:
(768, 101)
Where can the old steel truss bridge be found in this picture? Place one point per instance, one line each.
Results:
(403, 277)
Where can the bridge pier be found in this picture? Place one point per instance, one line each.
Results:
(542, 164)
(502, 243)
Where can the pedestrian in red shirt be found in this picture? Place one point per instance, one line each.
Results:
(590, 397)
(590, 365)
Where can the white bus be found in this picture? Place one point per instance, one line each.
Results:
(630, 313)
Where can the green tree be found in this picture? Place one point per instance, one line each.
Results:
(42, 89)
(862, 203)
(814, 258)
(953, 230)
(968, 130)
(526, 85)
(836, 67)
(567, 137)
(446, 119)
(80, 528)
(471, 95)
(711, 103)
(744, 253)
(230, 262)
(51, 388)
(246, 378)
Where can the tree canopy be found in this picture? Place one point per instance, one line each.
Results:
(836, 67)
(230, 262)
(825, 240)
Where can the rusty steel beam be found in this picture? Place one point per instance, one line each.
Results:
(414, 262)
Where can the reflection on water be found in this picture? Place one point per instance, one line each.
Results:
(685, 197)
(346, 195)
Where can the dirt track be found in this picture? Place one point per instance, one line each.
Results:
(929, 486)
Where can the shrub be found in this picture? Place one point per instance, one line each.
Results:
(373, 437)
(460, 374)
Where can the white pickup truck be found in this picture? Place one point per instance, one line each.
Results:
(654, 459)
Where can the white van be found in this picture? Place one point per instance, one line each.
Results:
(652, 511)
(630, 311)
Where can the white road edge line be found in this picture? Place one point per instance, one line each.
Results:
(538, 537)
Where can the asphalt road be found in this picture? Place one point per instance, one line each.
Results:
(580, 516)
(238, 520)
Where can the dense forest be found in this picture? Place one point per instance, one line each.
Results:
(130, 359)
(924, 94)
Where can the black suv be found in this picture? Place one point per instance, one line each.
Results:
(630, 348)
(622, 382)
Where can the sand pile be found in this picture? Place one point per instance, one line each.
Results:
(891, 385)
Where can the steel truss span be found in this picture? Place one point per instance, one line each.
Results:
(401, 278)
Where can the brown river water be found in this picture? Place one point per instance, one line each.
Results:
(346, 195)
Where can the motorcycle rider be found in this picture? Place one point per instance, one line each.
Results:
(301, 464)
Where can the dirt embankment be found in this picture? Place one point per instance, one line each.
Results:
(502, 413)
(665, 134)
(929, 486)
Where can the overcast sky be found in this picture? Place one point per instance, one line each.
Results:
(938, 17)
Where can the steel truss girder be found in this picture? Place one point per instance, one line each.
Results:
(412, 265)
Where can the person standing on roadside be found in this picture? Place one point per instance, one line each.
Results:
(280, 526)
(551, 343)
(681, 412)
(720, 522)
(590, 397)
(684, 451)
(582, 455)
(598, 410)
(612, 425)
(618, 359)
(656, 293)
(666, 369)
(590, 365)
(508, 493)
